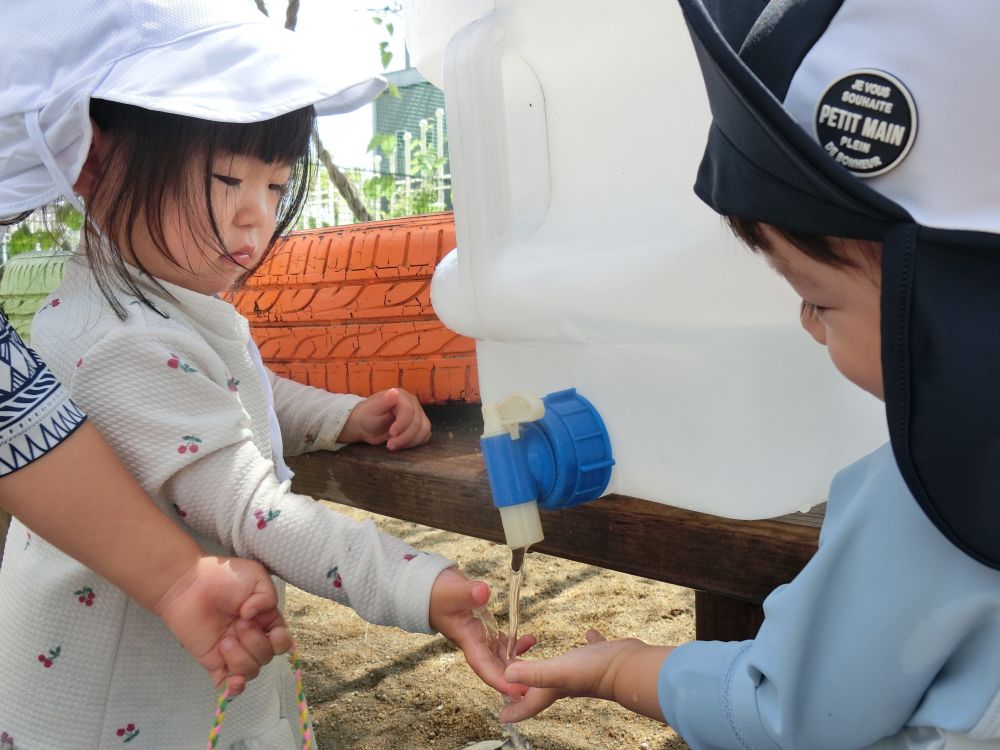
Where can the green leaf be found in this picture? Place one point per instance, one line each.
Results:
(377, 20)
(22, 240)
(384, 142)
(69, 217)
(390, 28)
(393, 90)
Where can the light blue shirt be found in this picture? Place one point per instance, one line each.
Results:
(889, 632)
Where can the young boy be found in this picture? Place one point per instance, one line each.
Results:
(890, 636)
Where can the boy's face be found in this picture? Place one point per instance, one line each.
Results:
(841, 305)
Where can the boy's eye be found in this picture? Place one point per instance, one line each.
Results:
(809, 310)
(227, 179)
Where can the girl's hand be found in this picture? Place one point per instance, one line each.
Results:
(393, 417)
(223, 610)
(624, 671)
(453, 600)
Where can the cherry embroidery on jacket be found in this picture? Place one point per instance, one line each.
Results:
(79, 363)
(190, 444)
(233, 384)
(335, 577)
(179, 511)
(128, 732)
(176, 363)
(6, 741)
(262, 519)
(53, 654)
(85, 596)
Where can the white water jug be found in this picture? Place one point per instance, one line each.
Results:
(585, 260)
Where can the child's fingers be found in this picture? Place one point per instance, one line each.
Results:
(533, 702)
(255, 642)
(274, 626)
(236, 684)
(281, 639)
(402, 416)
(541, 674)
(263, 599)
(524, 643)
(239, 661)
(594, 636)
(409, 434)
(218, 674)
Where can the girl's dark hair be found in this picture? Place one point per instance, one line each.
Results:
(147, 167)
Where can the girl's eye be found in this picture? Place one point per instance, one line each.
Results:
(280, 189)
(227, 179)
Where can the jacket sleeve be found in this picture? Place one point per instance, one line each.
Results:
(310, 418)
(161, 400)
(849, 649)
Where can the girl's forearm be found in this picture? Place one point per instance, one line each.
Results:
(80, 498)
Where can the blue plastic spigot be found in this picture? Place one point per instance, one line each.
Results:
(551, 453)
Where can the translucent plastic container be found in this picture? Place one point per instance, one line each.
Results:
(585, 260)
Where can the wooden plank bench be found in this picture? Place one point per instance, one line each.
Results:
(732, 565)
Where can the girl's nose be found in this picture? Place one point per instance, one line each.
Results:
(253, 208)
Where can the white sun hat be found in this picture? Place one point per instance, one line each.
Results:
(218, 60)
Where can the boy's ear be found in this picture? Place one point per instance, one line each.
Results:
(93, 166)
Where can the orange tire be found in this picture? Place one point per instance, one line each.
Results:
(348, 309)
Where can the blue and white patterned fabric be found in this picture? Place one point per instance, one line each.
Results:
(36, 413)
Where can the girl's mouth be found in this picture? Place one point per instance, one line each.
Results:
(241, 257)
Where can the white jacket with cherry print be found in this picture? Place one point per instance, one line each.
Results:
(179, 398)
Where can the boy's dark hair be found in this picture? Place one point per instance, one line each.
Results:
(817, 247)
(149, 153)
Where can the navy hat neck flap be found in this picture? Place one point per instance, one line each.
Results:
(940, 287)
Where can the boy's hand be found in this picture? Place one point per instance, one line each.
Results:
(223, 610)
(453, 599)
(612, 670)
(393, 417)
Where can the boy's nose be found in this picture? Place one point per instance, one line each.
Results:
(813, 325)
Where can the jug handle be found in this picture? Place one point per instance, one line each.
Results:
(489, 211)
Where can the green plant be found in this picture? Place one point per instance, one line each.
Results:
(57, 228)
(421, 188)
(385, 54)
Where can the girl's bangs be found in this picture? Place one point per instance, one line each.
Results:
(281, 139)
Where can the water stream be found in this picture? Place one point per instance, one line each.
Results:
(505, 644)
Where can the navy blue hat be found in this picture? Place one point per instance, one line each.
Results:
(873, 119)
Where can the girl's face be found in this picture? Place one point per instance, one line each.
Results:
(245, 196)
(840, 306)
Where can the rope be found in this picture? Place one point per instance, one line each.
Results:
(305, 721)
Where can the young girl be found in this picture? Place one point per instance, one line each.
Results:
(188, 129)
(857, 162)
(64, 483)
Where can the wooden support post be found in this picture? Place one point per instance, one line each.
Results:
(722, 618)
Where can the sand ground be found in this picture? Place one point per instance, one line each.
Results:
(377, 688)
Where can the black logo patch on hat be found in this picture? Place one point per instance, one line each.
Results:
(866, 121)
